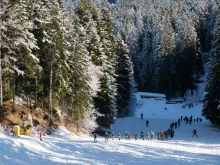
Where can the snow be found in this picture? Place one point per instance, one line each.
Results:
(65, 148)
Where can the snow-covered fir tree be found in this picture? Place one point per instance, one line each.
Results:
(211, 108)
(17, 43)
(123, 71)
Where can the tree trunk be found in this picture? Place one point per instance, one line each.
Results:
(50, 96)
(27, 94)
(36, 91)
(14, 92)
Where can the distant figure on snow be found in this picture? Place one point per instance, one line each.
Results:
(135, 136)
(194, 133)
(147, 122)
(95, 136)
(106, 136)
(119, 135)
(142, 135)
(148, 135)
(151, 135)
(128, 135)
(141, 116)
(41, 135)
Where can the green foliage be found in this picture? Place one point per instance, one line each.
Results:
(37, 105)
(8, 95)
(123, 79)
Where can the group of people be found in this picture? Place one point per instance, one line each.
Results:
(187, 120)
(150, 135)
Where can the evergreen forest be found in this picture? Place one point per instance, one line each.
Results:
(86, 58)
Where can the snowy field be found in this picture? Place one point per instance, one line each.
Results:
(65, 148)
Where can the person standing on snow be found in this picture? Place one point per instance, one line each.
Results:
(151, 135)
(119, 135)
(95, 136)
(147, 122)
(148, 135)
(135, 136)
(128, 134)
(194, 133)
(142, 135)
(41, 135)
(141, 116)
(106, 136)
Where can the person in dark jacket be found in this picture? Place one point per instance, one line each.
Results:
(95, 136)
(194, 133)
(147, 122)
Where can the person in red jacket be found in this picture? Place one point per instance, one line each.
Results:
(41, 135)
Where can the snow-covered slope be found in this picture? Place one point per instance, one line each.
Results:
(65, 148)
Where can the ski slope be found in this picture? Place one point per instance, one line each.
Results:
(63, 148)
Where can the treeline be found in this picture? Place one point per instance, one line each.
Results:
(166, 40)
(211, 108)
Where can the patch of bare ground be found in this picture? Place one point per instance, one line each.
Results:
(10, 116)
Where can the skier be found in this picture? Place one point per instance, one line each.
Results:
(95, 137)
(175, 125)
(194, 133)
(142, 135)
(106, 136)
(135, 136)
(128, 135)
(119, 135)
(147, 122)
(166, 135)
(148, 135)
(141, 116)
(41, 135)
(151, 135)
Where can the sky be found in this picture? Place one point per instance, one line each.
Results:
(65, 148)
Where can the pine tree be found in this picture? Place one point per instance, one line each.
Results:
(17, 42)
(79, 90)
(53, 53)
(105, 102)
(123, 79)
(211, 108)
